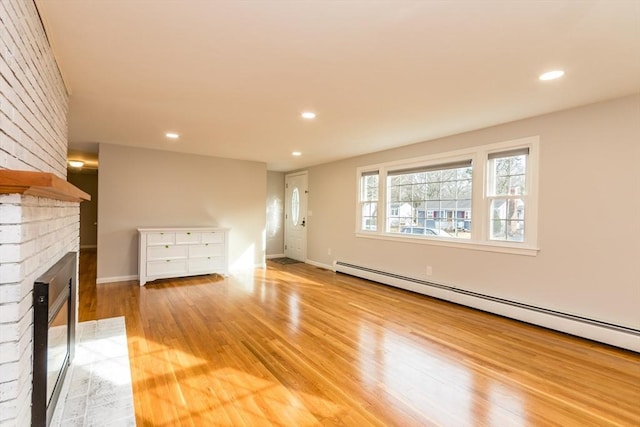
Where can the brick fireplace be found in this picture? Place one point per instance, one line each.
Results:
(35, 232)
(39, 210)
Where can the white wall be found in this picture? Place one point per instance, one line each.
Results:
(275, 214)
(150, 188)
(589, 229)
(34, 232)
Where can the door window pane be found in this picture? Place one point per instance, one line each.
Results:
(295, 206)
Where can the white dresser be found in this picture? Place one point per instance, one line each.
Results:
(182, 251)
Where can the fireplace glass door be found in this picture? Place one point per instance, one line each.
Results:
(54, 296)
(57, 346)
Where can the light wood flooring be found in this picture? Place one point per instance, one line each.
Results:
(296, 345)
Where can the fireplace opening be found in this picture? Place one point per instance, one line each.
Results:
(54, 297)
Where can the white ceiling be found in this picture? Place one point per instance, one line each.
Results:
(232, 77)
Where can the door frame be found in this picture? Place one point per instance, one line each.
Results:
(303, 212)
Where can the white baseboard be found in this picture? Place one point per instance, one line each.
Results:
(615, 335)
(115, 279)
(274, 256)
(320, 265)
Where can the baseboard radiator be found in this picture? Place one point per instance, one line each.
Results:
(609, 333)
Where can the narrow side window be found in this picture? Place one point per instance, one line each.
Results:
(369, 190)
(506, 194)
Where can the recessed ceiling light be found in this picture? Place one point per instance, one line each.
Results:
(171, 135)
(551, 75)
(76, 163)
(296, 153)
(308, 115)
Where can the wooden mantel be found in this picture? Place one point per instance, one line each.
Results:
(40, 184)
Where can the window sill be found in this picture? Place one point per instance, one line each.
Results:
(514, 249)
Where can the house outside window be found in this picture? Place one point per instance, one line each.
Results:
(432, 199)
(439, 187)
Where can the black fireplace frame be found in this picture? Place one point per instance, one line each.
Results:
(50, 291)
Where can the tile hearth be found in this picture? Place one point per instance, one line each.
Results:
(97, 391)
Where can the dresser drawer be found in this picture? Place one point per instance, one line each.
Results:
(206, 265)
(167, 252)
(160, 238)
(187, 237)
(213, 237)
(206, 250)
(169, 268)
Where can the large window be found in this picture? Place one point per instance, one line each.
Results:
(433, 199)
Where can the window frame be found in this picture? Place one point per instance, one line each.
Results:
(490, 195)
(363, 172)
(480, 202)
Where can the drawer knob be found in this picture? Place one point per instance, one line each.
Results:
(188, 233)
(166, 246)
(206, 244)
(168, 260)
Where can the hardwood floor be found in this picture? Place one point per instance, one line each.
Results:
(296, 345)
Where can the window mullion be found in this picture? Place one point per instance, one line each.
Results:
(382, 201)
(479, 203)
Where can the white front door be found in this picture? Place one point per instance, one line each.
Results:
(295, 216)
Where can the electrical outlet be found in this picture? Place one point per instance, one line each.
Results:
(429, 270)
(329, 251)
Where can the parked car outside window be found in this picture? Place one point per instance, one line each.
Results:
(424, 231)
